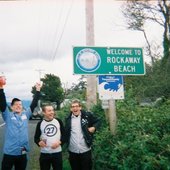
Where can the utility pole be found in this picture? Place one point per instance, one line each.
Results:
(91, 79)
(91, 92)
(112, 116)
(40, 72)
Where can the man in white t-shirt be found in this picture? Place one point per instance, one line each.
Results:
(48, 136)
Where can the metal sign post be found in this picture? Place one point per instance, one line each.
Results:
(110, 88)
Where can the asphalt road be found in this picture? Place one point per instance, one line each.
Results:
(32, 126)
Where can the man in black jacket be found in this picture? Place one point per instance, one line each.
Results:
(79, 129)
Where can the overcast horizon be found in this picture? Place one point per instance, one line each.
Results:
(37, 37)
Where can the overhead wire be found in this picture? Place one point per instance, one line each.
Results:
(63, 29)
(42, 40)
(46, 31)
(44, 28)
(49, 38)
(56, 33)
(38, 31)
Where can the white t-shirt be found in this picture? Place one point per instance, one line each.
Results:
(50, 132)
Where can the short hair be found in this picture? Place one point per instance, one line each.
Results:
(14, 100)
(76, 101)
(46, 105)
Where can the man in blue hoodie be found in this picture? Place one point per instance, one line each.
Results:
(16, 131)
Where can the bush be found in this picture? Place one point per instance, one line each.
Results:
(142, 140)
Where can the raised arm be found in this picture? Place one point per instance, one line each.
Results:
(3, 103)
(36, 97)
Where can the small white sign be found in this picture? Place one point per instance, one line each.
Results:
(105, 104)
(110, 87)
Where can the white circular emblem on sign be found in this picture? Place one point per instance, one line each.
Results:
(88, 60)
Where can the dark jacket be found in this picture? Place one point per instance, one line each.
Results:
(87, 120)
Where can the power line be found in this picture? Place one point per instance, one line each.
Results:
(56, 50)
(56, 33)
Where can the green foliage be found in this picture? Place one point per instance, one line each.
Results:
(156, 82)
(99, 112)
(79, 94)
(77, 91)
(138, 13)
(62, 114)
(51, 90)
(142, 140)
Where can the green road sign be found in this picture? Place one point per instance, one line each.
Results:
(108, 60)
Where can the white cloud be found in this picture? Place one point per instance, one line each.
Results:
(40, 34)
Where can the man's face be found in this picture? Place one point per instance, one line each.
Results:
(75, 109)
(17, 107)
(49, 113)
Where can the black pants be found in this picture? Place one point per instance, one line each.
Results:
(48, 160)
(80, 161)
(19, 162)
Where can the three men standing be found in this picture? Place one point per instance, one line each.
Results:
(80, 126)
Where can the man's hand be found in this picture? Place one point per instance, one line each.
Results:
(42, 144)
(91, 129)
(38, 86)
(2, 81)
(56, 144)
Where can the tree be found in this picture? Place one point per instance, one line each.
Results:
(51, 90)
(78, 90)
(137, 13)
(156, 81)
(154, 84)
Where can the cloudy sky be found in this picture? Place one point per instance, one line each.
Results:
(36, 38)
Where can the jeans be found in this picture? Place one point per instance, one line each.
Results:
(51, 159)
(80, 161)
(19, 162)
